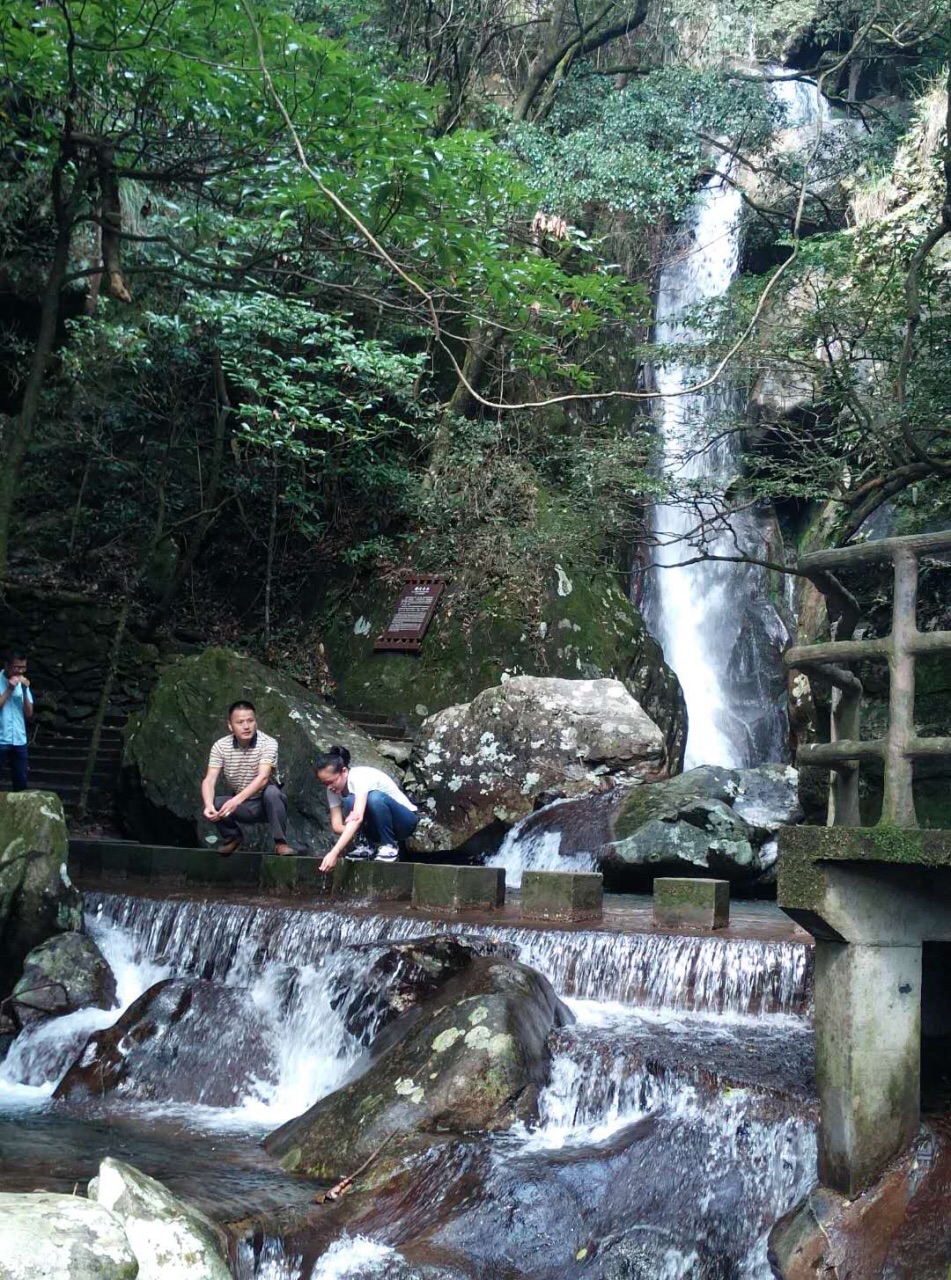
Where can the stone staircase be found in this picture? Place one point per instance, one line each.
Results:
(58, 759)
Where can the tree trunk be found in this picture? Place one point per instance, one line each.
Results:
(18, 440)
(205, 520)
(461, 403)
(115, 649)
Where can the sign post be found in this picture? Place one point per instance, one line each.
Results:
(414, 612)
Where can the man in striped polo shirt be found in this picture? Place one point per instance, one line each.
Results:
(248, 760)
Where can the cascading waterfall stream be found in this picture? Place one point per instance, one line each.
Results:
(714, 620)
(707, 1042)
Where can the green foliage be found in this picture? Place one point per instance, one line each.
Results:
(641, 150)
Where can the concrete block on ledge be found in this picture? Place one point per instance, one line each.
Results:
(687, 900)
(374, 881)
(562, 895)
(446, 888)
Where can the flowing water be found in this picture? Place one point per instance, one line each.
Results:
(676, 1126)
(714, 619)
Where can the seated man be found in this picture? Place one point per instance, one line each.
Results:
(248, 760)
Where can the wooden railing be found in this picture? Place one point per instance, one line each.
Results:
(899, 749)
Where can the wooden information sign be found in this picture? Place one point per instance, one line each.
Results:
(414, 611)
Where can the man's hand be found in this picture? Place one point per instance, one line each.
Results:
(211, 813)
(22, 680)
(229, 806)
(329, 862)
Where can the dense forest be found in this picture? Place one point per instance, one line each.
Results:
(295, 297)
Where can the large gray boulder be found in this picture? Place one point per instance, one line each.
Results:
(490, 759)
(688, 825)
(166, 748)
(171, 1239)
(183, 1040)
(44, 1236)
(64, 973)
(37, 898)
(472, 1060)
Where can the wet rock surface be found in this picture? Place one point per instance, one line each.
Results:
(170, 1239)
(709, 820)
(899, 1229)
(490, 758)
(64, 973)
(166, 749)
(37, 899)
(401, 979)
(182, 1041)
(473, 1061)
(67, 1237)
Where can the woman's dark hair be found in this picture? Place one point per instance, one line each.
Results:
(337, 758)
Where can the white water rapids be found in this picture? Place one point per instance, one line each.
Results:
(639, 1000)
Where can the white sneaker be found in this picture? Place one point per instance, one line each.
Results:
(359, 853)
(387, 853)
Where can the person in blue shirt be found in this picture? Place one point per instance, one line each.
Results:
(16, 707)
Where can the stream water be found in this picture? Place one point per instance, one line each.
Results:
(676, 1126)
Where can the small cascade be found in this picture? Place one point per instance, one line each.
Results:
(42, 1052)
(234, 942)
(536, 842)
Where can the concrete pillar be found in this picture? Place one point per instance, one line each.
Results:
(868, 1054)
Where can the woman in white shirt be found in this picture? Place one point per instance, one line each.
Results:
(363, 799)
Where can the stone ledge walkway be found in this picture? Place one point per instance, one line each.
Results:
(260, 879)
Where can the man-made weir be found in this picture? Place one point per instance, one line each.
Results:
(669, 1139)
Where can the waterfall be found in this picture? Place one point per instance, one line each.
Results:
(235, 943)
(714, 620)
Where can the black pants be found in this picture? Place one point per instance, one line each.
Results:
(18, 764)
(269, 805)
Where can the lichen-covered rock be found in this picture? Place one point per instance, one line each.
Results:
(768, 796)
(183, 1040)
(687, 825)
(489, 759)
(64, 973)
(585, 628)
(172, 1240)
(44, 1236)
(166, 748)
(37, 898)
(473, 1061)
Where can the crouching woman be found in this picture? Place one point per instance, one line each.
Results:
(367, 801)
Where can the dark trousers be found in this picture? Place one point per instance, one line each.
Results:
(385, 820)
(269, 805)
(18, 764)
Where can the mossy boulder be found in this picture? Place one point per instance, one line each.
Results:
(166, 747)
(492, 758)
(687, 825)
(575, 625)
(64, 973)
(472, 1060)
(37, 899)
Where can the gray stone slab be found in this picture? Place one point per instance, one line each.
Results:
(375, 881)
(446, 888)
(562, 895)
(692, 901)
